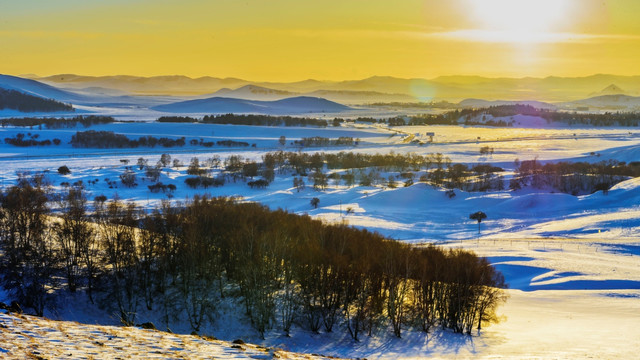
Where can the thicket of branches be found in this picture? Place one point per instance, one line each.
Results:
(12, 99)
(283, 270)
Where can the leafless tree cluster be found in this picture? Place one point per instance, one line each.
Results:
(284, 270)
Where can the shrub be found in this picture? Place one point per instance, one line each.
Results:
(64, 170)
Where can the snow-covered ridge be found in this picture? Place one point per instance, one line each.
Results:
(36, 88)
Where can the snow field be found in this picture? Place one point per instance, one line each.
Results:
(572, 263)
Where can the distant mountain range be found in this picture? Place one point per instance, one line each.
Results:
(376, 88)
(254, 92)
(93, 94)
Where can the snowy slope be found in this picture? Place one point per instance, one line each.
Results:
(23, 336)
(36, 88)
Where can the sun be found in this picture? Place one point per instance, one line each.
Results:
(520, 20)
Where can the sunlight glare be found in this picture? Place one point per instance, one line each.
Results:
(521, 20)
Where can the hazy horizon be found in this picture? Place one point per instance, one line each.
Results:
(223, 77)
(285, 40)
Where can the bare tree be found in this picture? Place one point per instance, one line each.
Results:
(479, 216)
(74, 235)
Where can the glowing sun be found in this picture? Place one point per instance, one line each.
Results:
(520, 20)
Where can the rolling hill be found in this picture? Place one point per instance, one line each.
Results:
(253, 92)
(36, 88)
(220, 105)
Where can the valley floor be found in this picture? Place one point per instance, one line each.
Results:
(572, 262)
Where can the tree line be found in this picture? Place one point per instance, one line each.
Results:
(465, 116)
(29, 139)
(454, 117)
(109, 139)
(12, 99)
(251, 119)
(281, 269)
(58, 123)
(323, 141)
(571, 118)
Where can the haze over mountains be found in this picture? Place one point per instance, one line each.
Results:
(378, 88)
(213, 95)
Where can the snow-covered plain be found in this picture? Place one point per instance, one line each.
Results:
(572, 262)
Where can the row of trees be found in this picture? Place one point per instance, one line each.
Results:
(109, 139)
(263, 120)
(29, 139)
(283, 270)
(58, 123)
(453, 117)
(252, 119)
(323, 141)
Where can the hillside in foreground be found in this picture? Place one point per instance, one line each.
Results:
(29, 337)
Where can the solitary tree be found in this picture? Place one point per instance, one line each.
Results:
(314, 202)
(479, 216)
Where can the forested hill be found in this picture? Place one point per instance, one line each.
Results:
(12, 99)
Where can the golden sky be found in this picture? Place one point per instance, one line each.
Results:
(288, 40)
